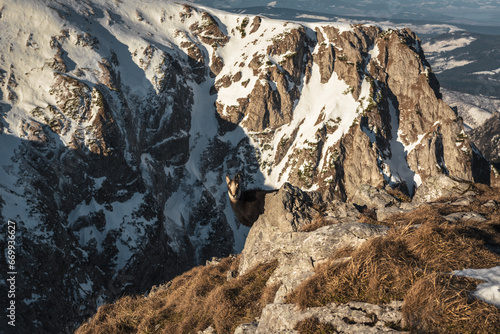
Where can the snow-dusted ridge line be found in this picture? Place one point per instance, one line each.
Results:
(138, 27)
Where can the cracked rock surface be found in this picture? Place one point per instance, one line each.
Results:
(276, 235)
(353, 317)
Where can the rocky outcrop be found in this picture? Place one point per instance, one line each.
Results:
(278, 234)
(372, 197)
(487, 138)
(358, 163)
(266, 107)
(207, 29)
(424, 120)
(353, 317)
(403, 134)
(495, 176)
(325, 58)
(440, 186)
(351, 47)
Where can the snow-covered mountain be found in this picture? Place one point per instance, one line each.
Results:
(119, 121)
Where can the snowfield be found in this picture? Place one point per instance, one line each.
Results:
(447, 45)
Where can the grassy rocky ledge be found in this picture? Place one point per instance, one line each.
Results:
(398, 277)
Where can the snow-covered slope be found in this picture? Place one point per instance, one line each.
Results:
(119, 121)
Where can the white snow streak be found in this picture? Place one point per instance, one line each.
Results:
(489, 291)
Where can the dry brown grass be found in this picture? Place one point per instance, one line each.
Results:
(318, 220)
(370, 275)
(314, 326)
(440, 303)
(413, 263)
(195, 300)
(399, 194)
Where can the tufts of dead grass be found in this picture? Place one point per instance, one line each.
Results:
(448, 246)
(192, 302)
(412, 262)
(440, 303)
(370, 274)
(242, 299)
(314, 326)
(318, 220)
(399, 194)
(414, 265)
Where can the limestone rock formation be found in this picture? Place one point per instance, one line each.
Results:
(277, 235)
(487, 138)
(353, 317)
(440, 186)
(372, 197)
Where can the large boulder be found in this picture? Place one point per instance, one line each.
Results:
(373, 198)
(440, 186)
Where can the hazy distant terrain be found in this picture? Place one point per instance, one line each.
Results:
(466, 62)
(451, 11)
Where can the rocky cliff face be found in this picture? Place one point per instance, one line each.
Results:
(119, 122)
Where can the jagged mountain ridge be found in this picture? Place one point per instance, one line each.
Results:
(119, 123)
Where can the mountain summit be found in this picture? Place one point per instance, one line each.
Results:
(119, 122)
